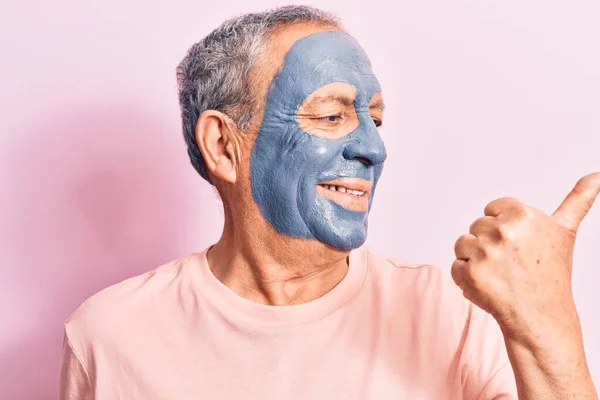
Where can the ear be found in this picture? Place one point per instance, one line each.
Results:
(216, 140)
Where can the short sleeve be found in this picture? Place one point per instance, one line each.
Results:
(501, 386)
(486, 372)
(74, 380)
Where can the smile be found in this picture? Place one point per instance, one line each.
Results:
(351, 193)
(343, 189)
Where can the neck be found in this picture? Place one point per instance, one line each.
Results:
(263, 266)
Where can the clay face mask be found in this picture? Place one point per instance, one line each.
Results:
(319, 183)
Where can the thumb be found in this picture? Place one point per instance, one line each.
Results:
(577, 203)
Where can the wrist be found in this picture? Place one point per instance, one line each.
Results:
(538, 329)
(546, 343)
(553, 366)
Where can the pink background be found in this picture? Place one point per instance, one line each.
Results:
(485, 99)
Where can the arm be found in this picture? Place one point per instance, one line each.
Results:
(516, 264)
(551, 371)
(550, 363)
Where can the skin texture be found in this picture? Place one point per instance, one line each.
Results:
(515, 263)
(252, 257)
(327, 80)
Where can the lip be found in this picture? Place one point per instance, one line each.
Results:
(359, 184)
(347, 200)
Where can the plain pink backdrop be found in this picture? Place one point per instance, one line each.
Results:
(484, 99)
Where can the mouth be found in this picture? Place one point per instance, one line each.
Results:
(350, 193)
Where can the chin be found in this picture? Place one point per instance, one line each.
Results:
(343, 236)
(347, 244)
(336, 226)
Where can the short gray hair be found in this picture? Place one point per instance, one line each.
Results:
(214, 75)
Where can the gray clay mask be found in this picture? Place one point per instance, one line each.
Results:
(288, 163)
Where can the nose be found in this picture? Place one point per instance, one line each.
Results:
(367, 147)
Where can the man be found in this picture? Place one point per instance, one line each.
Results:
(280, 113)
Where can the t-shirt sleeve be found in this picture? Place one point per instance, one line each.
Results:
(486, 372)
(74, 380)
(501, 386)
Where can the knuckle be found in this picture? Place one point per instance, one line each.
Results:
(521, 219)
(484, 252)
(461, 242)
(479, 224)
(522, 212)
(495, 232)
(485, 227)
(580, 188)
(517, 209)
(507, 232)
(508, 202)
(493, 204)
(531, 216)
(503, 205)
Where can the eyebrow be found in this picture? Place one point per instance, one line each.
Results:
(378, 104)
(344, 100)
(347, 101)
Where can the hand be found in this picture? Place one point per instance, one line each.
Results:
(516, 263)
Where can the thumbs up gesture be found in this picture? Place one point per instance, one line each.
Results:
(516, 264)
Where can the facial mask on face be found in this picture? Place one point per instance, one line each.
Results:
(288, 163)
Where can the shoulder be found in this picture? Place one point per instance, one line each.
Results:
(418, 280)
(424, 295)
(443, 323)
(123, 305)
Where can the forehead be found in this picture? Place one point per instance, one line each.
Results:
(320, 59)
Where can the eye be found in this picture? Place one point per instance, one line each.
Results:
(331, 119)
(377, 122)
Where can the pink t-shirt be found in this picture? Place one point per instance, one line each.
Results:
(386, 331)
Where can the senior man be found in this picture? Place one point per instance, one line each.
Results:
(280, 113)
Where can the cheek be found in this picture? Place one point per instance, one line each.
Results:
(310, 156)
(287, 156)
(324, 151)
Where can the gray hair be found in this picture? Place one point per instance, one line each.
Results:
(214, 75)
